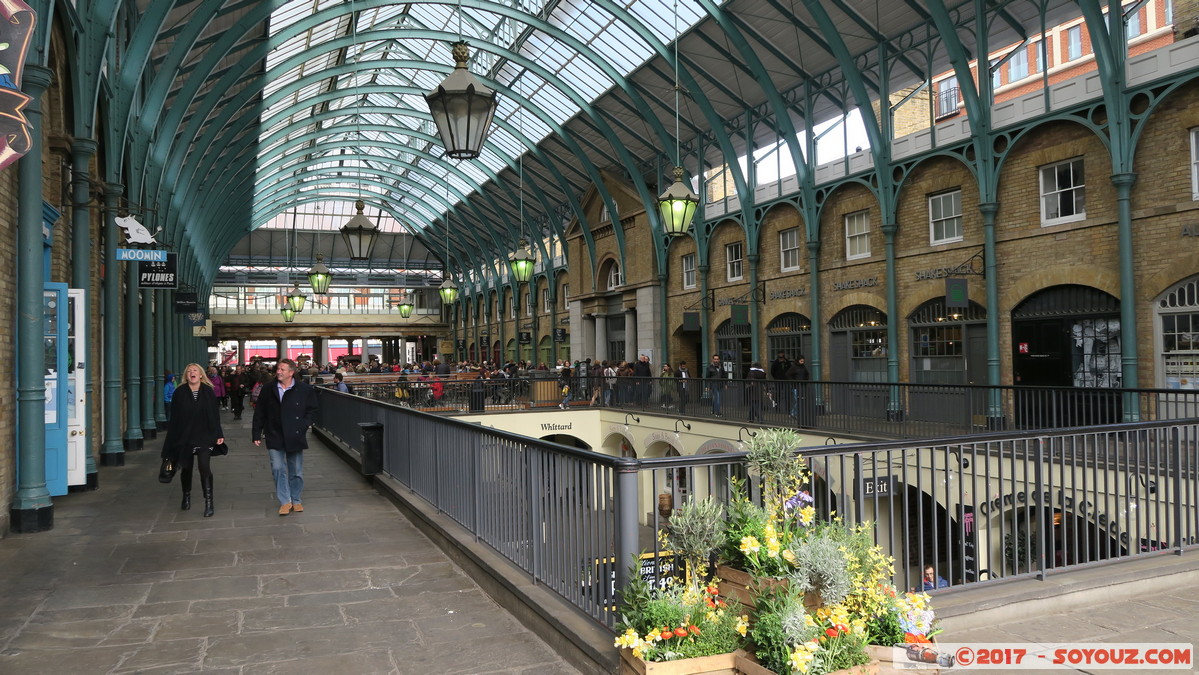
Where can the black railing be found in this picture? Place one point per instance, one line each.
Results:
(866, 409)
(979, 507)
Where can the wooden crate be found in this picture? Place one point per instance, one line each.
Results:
(719, 664)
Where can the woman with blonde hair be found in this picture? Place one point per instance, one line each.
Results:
(194, 429)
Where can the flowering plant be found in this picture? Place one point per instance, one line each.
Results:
(762, 539)
(790, 640)
(678, 621)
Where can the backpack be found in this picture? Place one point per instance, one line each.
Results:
(610, 373)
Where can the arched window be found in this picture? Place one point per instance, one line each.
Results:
(789, 333)
(948, 345)
(858, 345)
(614, 278)
(1177, 324)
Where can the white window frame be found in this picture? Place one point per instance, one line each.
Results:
(733, 258)
(1134, 21)
(1047, 217)
(942, 198)
(565, 292)
(860, 221)
(1018, 65)
(614, 278)
(996, 74)
(689, 270)
(545, 300)
(529, 303)
(1074, 42)
(512, 307)
(1195, 164)
(785, 249)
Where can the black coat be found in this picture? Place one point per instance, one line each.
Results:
(283, 425)
(195, 423)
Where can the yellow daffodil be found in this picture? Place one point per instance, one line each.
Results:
(743, 624)
(750, 545)
(789, 556)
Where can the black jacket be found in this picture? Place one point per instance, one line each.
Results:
(283, 425)
(195, 423)
(798, 371)
(715, 375)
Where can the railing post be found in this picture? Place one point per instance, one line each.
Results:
(533, 488)
(626, 517)
(859, 509)
(1176, 448)
(1039, 477)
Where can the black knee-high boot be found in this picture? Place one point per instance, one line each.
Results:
(185, 480)
(206, 486)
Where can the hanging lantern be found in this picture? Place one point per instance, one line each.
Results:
(677, 206)
(288, 313)
(360, 234)
(319, 276)
(521, 263)
(462, 107)
(405, 308)
(448, 292)
(296, 299)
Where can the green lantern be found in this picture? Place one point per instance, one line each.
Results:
(677, 206)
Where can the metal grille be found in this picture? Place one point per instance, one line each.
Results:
(1067, 300)
(1186, 295)
(934, 313)
(858, 316)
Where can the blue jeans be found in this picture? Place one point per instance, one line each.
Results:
(716, 394)
(288, 470)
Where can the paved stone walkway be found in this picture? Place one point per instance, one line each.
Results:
(128, 583)
(1157, 616)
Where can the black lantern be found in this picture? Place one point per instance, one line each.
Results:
(677, 206)
(319, 276)
(521, 263)
(462, 108)
(448, 292)
(296, 299)
(360, 234)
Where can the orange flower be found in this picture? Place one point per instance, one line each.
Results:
(694, 629)
(916, 638)
(713, 590)
(680, 631)
(667, 634)
(832, 632)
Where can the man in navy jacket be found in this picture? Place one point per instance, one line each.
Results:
(285, 410)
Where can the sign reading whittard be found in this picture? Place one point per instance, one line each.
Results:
(855, 283)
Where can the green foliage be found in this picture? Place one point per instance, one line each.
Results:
(771, 454)
(884, 630)
(696, 530)
(822, 564)
(781, 623)
(709, 626)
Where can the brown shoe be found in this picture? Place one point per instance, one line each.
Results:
(285, 509)
(297, 507)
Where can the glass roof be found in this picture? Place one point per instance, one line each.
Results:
(383, 101)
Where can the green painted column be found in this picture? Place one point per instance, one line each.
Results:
(705, 318)
(162, 346)
(815, 358)
(1128, 296)
(148, 361)
(32, 509)
(991, 279)
(133, 378)
(755, 309)
(894, 399)
(663, 318)
(82, 151)
(113, 451)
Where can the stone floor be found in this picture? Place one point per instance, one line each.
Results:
(125, 582)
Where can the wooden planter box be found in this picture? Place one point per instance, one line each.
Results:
(748, 665)
(719, 664)
(739, 585)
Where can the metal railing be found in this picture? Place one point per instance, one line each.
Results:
(978, 508)
(872, 409)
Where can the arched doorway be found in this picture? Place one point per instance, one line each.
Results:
(789, 333)
(1067, 336)
(858, 354)
(948, 346)
(735, 347)
(545, 351)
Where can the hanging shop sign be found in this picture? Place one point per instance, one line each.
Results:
(141, 255)
(186, 302)
(691, 321)
(196, 319)
(559, 335)
(461, 345)
(15, 32)
(943, 272)
(957, 293)
(158, 274)
(135, 232)
(526, 338)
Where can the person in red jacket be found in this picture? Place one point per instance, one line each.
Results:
(286, 409)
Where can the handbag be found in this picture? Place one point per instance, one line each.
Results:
(167, 471)
(220, 450)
